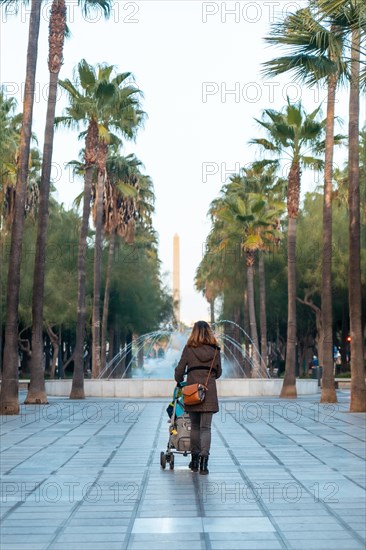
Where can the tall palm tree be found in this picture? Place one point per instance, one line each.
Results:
(123, 189)
(208, 283)
(247, 215)
(57, 28)
(9, 402)
(83, 111)
(314, 53)
(209, 277)
(91, 97)
(260, 217)
(36, 391)
(294, 133)
(122, 113)
(10, 130)
(260, 178)
(351, 14)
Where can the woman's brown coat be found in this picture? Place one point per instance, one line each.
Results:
(201, 357)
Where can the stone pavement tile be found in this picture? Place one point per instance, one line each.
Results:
(258, 536)
(352, 512)
(168, 538)
(91, 537)
(245, 545)
(178, 544)
(298, 526)
(219, 524)
(168, 512)
(30, 538)
(231, 513)
(118, 507)
(101, 514)
(331, 544)
(298, 513)
(320, 535)
(35, 529)
(168, 525)
(105, 523)
(79, 545)
(29, 513)
(36, 522)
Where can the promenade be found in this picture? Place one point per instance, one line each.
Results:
(86, 475)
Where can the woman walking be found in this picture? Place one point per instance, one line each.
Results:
(199, 355)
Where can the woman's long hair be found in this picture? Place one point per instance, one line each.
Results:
(201, 334)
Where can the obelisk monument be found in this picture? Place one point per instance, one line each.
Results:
(176, 280)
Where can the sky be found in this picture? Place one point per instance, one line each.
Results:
(199, 67)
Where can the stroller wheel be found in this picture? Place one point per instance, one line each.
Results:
(171, 462)
(162, 460)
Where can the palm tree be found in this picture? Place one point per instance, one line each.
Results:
(36, 391)
(83, 111)
(57, 28)
(92, 98)
(208, 283)
(123, 192)
(259, 178)
(260, 218)
(292, 132)
(248, 216)
(10, 128)
(351, 15)
(122, 113)
(10, 124)
(9, 402)
(315, 54)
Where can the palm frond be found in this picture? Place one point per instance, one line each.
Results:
(88, 6)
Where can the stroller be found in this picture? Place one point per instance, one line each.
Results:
(179, 430)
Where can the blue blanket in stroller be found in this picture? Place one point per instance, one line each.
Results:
(179, 406)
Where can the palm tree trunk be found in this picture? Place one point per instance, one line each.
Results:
(246, 330)
(91, 151)
(358, 386)
(289, 383)
(98, 257)
(263, 310)
(252, 319)
(9, 402)
(36, 391)
(212, 310)
(344, 334)
(328, 394)
(77, 389)
(112, 240)
(56, 342)
(293, 192)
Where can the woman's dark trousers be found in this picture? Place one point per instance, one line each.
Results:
(200, 433)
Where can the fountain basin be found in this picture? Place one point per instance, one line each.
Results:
(136, 388)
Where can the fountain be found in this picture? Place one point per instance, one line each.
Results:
(153, 357)
(170, 344)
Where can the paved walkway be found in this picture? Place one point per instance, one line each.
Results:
(86, 475)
